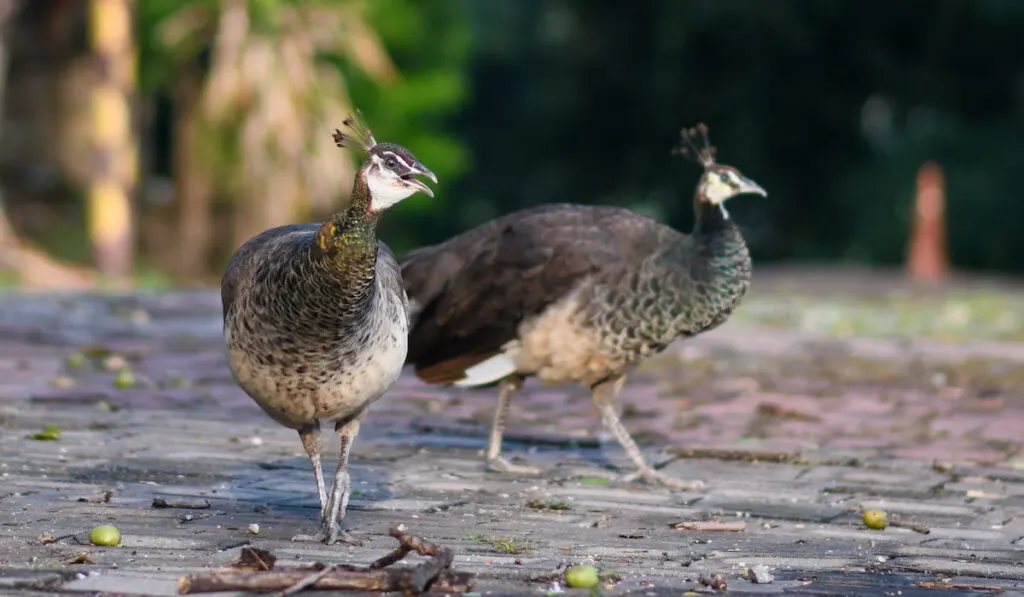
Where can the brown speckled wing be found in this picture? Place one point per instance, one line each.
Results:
(240, 268)
(471, 292)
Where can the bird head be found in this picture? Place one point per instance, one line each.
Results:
(390, 173)
(719, 182)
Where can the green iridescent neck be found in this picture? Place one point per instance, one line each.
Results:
(347, 241)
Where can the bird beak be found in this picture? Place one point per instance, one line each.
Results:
(424, 171)
(421, 170)
(749, 186)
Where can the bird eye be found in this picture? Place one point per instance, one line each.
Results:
(723, 177)
(390, 162)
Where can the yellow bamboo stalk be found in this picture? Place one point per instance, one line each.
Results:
(109, 209)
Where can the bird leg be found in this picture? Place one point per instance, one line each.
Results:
(338, 502)
(310, 436)
(337, 499)
(495, 461)
(605, 396)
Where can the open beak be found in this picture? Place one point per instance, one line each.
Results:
(421, 170)
(749, 186)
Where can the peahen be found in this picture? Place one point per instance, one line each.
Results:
(576, 293)
(315, 315)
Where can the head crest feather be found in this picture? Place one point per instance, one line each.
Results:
(359, 136)
(695, 145)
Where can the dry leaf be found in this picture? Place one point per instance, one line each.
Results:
(253, 558)
(81, 557)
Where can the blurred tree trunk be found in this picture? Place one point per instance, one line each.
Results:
(31, 266)
(7, 8)
(115, 170)
(193, 190)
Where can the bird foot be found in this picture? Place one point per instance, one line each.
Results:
(652, 477)
(499, 465)
(330, 537)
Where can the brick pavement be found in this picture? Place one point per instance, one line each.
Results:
(925, 430)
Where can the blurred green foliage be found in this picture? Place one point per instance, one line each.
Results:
(430, 44)
(832, 106)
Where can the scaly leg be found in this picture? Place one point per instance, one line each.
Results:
(337, 499)
(606, 398)
(310, 436)
(342, 482)
(495, 461)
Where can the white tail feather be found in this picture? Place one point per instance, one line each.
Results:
(414, 312)
(493, 369)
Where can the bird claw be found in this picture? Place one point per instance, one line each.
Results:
(330, 537)
(343, 537)
(499, 465)
(329, 533)
(318, 537)
(652, 477)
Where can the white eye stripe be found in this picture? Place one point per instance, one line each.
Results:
(391, 154)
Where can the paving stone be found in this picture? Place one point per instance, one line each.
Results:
(958, 567)
(755, 508)
(921, 508)
(187, 431)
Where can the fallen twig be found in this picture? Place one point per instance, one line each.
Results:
(231, 544)
(917, 528)
(98, 498)
(708, 525)
(773, 410)
(726, 454)
(308, 581)
(81, 557)
(159, 502)
(254, 558)
(958, 586)
(434, 573)
(48, 537)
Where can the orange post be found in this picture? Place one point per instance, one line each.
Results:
(928, 257)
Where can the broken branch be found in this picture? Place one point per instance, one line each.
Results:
(957, 586)
(159, 502)
(377, 577)
(917, 528)
(727, 455)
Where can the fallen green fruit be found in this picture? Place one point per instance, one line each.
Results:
(48, 434)
(124, 380)
(75, 360)
(875, 519)
(581, 577)
(105, 534)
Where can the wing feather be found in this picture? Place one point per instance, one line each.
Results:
(472, 291)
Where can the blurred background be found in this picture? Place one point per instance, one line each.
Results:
(141, 142)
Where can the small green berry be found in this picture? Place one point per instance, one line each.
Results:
(124, 380)
(75, 360)
(875, 519)
(105, 534)
(48, 434)
(581, 577)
